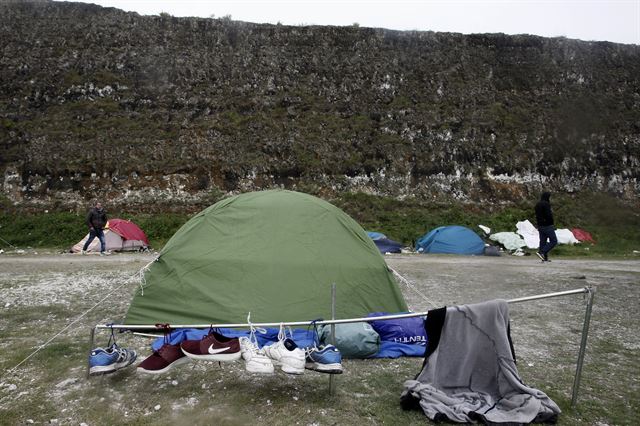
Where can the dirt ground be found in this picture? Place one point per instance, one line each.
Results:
(64, 295)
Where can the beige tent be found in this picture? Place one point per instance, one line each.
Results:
(120, 235)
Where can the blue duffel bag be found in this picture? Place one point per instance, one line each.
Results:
(401, 330)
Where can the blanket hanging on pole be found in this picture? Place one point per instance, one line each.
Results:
(470, 373)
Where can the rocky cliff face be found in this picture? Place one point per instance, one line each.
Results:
(96, 102)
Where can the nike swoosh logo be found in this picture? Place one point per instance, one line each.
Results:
(216, 351)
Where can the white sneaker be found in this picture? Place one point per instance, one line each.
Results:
(288, 355)
(255, 359)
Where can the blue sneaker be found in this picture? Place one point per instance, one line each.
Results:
(105, 361)
(325, 360)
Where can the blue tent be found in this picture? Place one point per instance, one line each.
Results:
(386, 245)
(451, 239)
(376, 235)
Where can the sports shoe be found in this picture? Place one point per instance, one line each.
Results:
(286, 354)
(105, 361)
(325, 360)
(163, 360)
(212, 347)
(256, 361)
(541, 256)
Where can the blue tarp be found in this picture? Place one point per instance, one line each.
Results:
(303, 338)
(451, 239)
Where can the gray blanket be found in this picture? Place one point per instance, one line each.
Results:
(472, 376)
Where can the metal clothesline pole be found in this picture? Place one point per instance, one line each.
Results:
(332, 385)
(583, 343)
(583, 346)
(323, 322)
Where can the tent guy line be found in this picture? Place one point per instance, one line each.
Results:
(412, 287)
(45, 344)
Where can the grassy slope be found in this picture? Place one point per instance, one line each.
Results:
(614, 225)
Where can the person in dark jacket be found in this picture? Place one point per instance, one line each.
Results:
(96, 220)
(546, 228)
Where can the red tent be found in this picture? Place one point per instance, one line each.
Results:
(119, 235)
(127, 230)
(582, 235)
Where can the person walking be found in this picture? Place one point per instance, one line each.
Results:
(546, 228)
(96, 220)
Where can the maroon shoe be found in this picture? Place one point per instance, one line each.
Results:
(212, 347)
(163, 360)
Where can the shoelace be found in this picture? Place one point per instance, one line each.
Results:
(282, 333)
(252, 331)
(123, 354)
(166, 338)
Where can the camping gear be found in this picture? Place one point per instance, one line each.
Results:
(119, 235)
(485, 229)
(491, 251)
(401, 330)
(510, 240)
(452, 240)
(376, 235)
(385, 245)
(565, 236)
(582, 235)
(529, 234)
(274, 254)
(469, 373)
(353, 340)
(397, 350)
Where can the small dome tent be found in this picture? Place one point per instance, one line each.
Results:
(274, 254)
(119, 235)
(452, 240)
(384, 244)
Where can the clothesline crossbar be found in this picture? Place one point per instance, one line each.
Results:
(323, 322)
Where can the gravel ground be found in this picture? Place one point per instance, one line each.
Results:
(42, 294)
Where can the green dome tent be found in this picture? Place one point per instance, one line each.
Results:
(272, 253)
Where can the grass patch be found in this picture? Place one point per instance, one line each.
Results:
(614, 224)
(61, 230)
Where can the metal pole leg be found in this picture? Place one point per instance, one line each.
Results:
(332, 385)
(91, 345)
(583, 345)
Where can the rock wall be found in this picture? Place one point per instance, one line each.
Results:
(162, 111)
